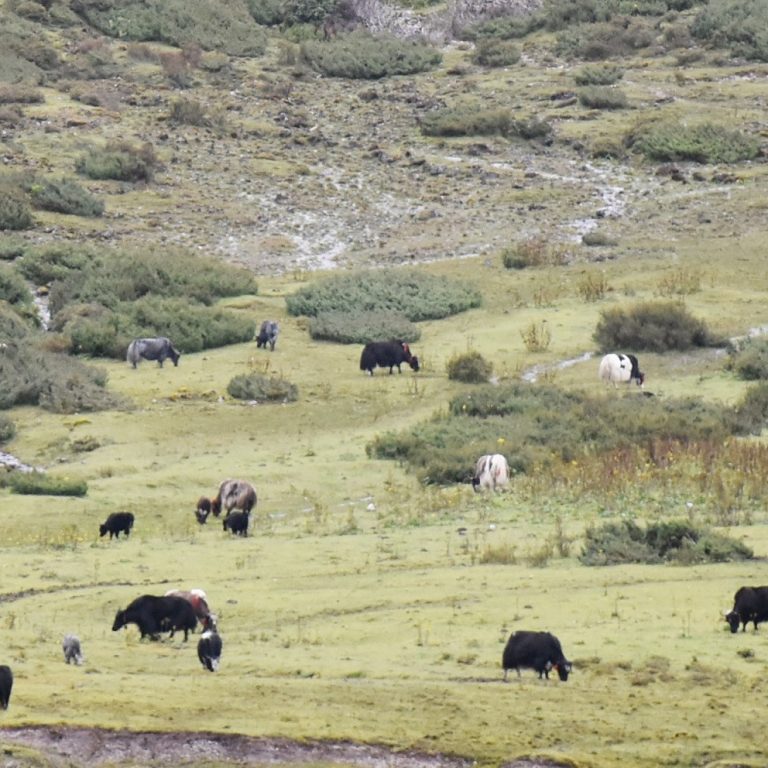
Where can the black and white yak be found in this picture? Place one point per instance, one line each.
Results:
(233, 494)
(491, 473)
(209, 649)
(620, 369)
(387, 354)
(159, 348)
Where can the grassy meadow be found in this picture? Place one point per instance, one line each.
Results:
(357, 609)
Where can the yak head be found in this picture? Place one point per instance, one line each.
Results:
(119, 621)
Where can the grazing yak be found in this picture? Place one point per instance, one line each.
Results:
(749, 604)
(209, 649)
(117, 523)
(199, 602)
(71, 647)
(234, 494)
(620, 369)
(268, 335)
(6, 685)
(152, 615)
(158, 349)
(491, 473)
(540, 651)
(387, 354)
(237, 522)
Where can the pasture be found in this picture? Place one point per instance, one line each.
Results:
(360, 608)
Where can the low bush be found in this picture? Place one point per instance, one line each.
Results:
(19, 93)
(13, 287)
(605, 74)
(11, 247)
(42, 484)
(474, 120)
(749, 359)
(119, 161)
(268, 13)
(188, 112)
(602, 97)
(601, 41)
(739, 26)
(360, 56)
(673, 541)
(493, 52)
(534, 252)
(418, 296)
(655, 326)
(7, 429)
(469, 367)
(262, 389)
(750, 415)
(360, 327)
(592, 285)
(15, 213)
(66, 196)
(706, 143)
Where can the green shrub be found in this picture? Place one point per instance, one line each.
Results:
(268, 13)
(361, 56)
(418, 296)
(11, 247)
(469, 367)
(749, 359)
(262, 389)
(592, 285)
(474, 120)
(19, 93)
(41, 484)
(597, 239)
(672, 541)
(705, 143)
(655, 326)
(606, 40)
(605, 74)
(45, 264)
(7, 429)
(188, 112)
(740, 26)
(307, 11)
(534, 252)
(15, 212)
(13, 287)
(209, 24)
(750, 416)
(119, 161)
(602, 97)
(360, 327)
(493, 52)
(66, 196)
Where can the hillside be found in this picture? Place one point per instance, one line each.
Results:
(560, 162)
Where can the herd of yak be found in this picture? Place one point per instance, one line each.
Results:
(182, 610)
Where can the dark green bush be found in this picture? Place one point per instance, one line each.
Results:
(493, 52)
(468, 120)
(13, 287)
(418, 296)
(361, 56)
(41, 484)
(262, 389)
(749, 359)
(66, 196)
(673, 541)
(604, 74)
(705, 143)
(119, 161)
(740, 26)
(750, 416)
(469, 367)
(44, 264)
(209, 24)
(600, 41)
(15, 213)
(7, 429)
(306, 11)
(11, 247)
(268, 13)
(602, 97)
(360, 327)
(655, 326)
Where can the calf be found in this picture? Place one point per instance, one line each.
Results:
(387, 354)
(6, 685)
(237, 522)
(749, 604)
(491, 473)
(209, 649)
(117, 523)
(71, 647)
(203, 509)
(540, 651)
(268, 335)
(152, 615)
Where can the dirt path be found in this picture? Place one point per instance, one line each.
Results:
(90, 747)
